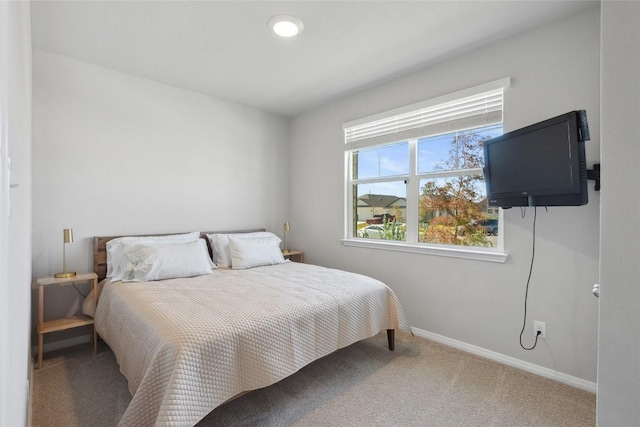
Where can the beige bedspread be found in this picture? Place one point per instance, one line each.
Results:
(188, 345)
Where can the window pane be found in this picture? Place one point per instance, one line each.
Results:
(454, 211)
(434, 153)
(455, 150)
(380, 210)
(388, 160)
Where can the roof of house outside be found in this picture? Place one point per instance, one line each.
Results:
(381, 201)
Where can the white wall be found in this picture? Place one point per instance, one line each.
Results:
(117, 154)
(619, 344)
(15, 230)
(554, 69)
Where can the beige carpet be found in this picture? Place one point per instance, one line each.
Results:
(422, 383)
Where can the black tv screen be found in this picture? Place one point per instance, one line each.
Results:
(540, 165)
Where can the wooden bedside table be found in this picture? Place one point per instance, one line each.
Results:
(293, 255)
(65, 322)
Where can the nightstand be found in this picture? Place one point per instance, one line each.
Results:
(65, 322)
(293, 255)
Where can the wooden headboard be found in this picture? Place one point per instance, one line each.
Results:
(100, 247)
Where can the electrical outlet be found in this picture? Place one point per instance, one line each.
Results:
(539, 326)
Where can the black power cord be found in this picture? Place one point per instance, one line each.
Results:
(76, 288)
(526, 294)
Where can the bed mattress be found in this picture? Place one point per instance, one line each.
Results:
(188, 345)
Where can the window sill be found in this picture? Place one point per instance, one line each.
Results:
(477, 254)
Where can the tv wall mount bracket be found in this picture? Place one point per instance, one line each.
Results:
(594, 174)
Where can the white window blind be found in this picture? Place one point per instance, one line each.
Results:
(475, 107)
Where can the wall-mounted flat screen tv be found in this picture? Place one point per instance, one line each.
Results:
(539, 165)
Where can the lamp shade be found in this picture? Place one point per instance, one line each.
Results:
(67, 234)
(67, 237)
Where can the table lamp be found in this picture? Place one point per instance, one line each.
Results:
(287, 227)
(67, 235)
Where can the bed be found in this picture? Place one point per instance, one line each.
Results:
(189, 344)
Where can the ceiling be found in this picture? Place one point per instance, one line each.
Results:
(224, 48)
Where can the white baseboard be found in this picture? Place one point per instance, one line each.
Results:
(510, 361)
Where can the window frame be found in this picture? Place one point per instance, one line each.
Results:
(412, 180)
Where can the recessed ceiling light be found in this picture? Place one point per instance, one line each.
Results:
(285, 25)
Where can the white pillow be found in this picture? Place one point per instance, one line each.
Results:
(220, 245)
(166, 260)
(254, 252)
(117, 262)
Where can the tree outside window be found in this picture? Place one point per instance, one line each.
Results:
(453, 210)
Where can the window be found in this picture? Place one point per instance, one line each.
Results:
(414, 175)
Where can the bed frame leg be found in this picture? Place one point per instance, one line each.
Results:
(391, 338)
